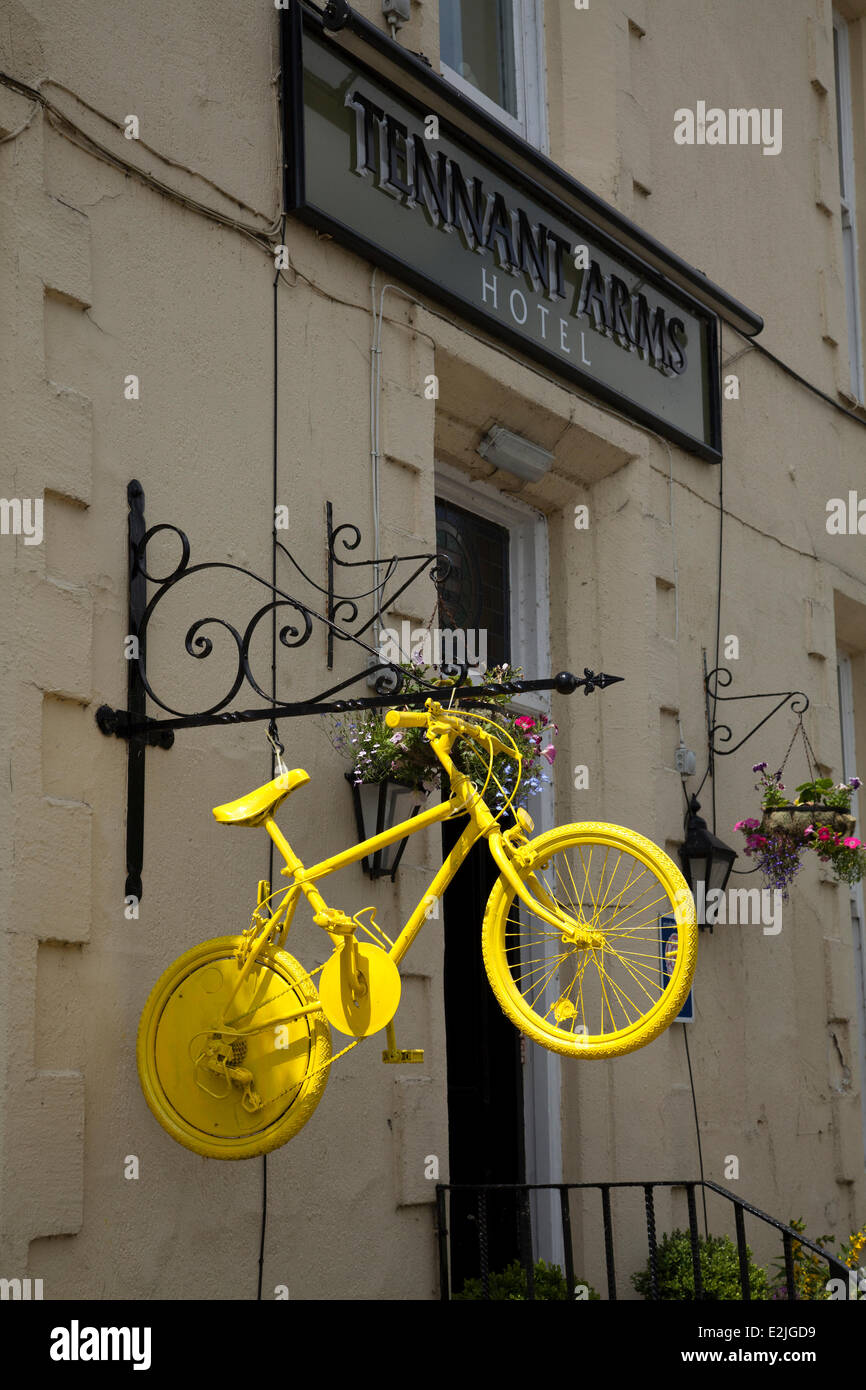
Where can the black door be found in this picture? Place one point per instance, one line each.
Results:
(485, 1079)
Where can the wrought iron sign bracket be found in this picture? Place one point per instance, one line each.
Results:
(719, 734)
(389, 580)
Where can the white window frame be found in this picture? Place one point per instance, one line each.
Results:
(850, 249)
(529, 583)
(529, 580)
(858, 916)
(529, 77)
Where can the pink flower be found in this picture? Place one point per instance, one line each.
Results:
(851, 842)
(549, 753)
(524, 723)
(824, 833)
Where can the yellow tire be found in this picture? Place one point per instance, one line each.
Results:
(249, 1087)
(620, 993)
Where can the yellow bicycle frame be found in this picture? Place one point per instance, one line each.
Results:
(482, 823)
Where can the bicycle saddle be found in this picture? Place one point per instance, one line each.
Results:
(255, 807)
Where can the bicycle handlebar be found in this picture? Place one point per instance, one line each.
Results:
(406, 719)
(418, 719)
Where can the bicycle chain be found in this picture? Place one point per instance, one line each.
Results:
(315, 1071)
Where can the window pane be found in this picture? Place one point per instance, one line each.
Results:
(840, 116)
(476, 596)
(844, 130)
(477, 41)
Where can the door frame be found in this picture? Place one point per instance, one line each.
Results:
(529, 582)
(858, 918)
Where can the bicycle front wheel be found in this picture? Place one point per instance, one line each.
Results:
(621, 992)
(248, 1086)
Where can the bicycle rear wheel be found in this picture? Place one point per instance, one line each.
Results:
(249, 1087)
(619, 994)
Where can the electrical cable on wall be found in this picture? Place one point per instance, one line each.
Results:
(697, 1129)
(274, 750)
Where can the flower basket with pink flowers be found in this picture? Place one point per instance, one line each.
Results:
(378, 753)
(818, 819)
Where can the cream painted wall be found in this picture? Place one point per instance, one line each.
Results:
(101, 276)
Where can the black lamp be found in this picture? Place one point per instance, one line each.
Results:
(379, 806)
(705, 858)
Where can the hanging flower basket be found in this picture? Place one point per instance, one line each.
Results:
(395, 771)
(819, 820)
(796, 818)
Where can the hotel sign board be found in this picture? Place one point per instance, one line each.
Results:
(406, 189)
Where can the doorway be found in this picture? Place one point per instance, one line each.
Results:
(485, 1078)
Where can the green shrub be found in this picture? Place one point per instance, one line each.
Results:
(510, 1284)
(720, 1270)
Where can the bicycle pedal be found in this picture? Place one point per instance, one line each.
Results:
(403, 1054)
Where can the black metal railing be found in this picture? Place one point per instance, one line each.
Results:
(520, 1214)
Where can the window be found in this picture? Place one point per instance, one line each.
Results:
(493, 51)
(845, 136)
(475, 596)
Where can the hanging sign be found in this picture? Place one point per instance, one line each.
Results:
(667, 957)
(404, 188)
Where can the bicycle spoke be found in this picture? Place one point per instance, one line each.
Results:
(633, 971)
(620, 993)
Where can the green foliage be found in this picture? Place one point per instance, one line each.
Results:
(720, 1270)
(811, 1273)
(816, 791)
(510, 1285)
(849, 865)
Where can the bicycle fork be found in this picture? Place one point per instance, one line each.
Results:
(537, 897)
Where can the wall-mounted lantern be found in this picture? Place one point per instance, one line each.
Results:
(379, 806)
(705, 858)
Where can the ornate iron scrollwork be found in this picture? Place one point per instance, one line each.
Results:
(199, 639)
(390, 580)
(135, 725)
(721, 676)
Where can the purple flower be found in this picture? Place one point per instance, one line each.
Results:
(854, 783)
(759, 767)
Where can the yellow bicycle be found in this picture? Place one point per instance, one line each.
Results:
(234, 1045)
